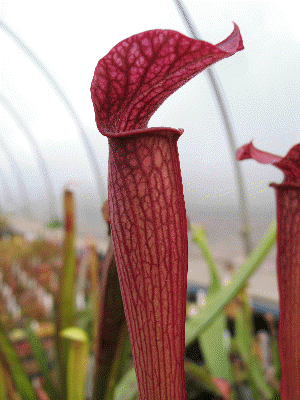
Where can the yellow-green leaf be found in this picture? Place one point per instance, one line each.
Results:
(78, 354)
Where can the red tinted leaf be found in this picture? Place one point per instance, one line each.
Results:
(111, 318)
(288, 262)
(142, 71)
(288, 267)
(149, 231)
(289, 165)
(248, 151)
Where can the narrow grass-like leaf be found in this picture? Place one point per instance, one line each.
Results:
(66, 297)
(274, 346)
(127, 388)
(208, 315)
(244, 341)
(9, 388)
(221, 298)
(201, 375)
(275, 358)
(20, 377)
(42, 360)
(3, 386)
(212, 339)
(214, 349)
(199, 237)
(77, 362)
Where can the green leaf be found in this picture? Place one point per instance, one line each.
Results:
(3, 388)
(201, 375)
(214, 349)
(127, 388)
(244, 341)
(42, 360)
(212, 339)
(223, 296)
(199, 237)
(275, 357)
(77, 362)
(20, 377)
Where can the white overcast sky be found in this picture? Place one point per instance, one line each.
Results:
(261, 85)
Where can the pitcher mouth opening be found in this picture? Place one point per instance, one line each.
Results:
(159, 131)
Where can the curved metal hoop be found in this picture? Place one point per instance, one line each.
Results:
(9, 196)
(40, 159)
(19, 175)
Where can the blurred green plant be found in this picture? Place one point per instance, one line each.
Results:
(55, 224)
(19, 376)
(212, 340)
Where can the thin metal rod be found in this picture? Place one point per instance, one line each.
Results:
(53, 208)
(246, 230)
(20, 178)
(62, 96)
(8, 193)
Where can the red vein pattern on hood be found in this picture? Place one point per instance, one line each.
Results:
(139, 73)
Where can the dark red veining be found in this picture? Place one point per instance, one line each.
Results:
(149, 231)
(288, 263)
(142, 71)
(145, 195)
(288, 272)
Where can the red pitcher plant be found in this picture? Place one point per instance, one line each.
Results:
(288, 262)
(145, 194)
